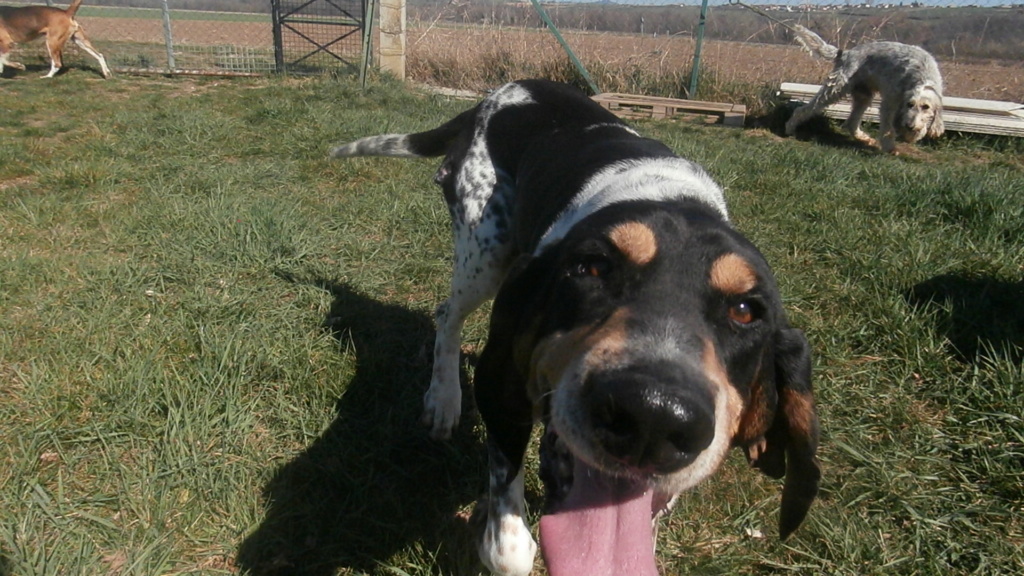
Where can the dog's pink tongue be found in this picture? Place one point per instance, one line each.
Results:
(602, 529)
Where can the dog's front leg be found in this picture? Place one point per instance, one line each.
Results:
(55, 48)
(887, 126)
(506, 546)
(861, 103)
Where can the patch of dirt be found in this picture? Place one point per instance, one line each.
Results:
(199, 32)
(13, 182)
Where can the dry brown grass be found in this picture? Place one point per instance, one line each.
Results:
(478, 58)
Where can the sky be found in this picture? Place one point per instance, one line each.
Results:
(986, 3)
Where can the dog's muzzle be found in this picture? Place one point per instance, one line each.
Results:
(650, 419)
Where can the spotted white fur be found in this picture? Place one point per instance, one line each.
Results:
(481, 258)
(394, 145)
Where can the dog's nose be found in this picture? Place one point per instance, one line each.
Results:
(650, 419)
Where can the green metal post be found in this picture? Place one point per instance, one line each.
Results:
(696, 51)
(369, 7)
(565, 46)
(167, 38)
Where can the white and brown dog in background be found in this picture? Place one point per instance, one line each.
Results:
(907, 78)
(19, 24)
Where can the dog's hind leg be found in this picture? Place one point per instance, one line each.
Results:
(861, 102)
(832, 91)
(82, 42)
(478, 269)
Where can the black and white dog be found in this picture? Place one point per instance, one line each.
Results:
(630, 318)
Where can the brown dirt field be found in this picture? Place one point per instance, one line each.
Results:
(196, 32)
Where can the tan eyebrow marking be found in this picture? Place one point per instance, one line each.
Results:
(731, 274)
(636, 241)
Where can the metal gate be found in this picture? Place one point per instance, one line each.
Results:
(316, 36)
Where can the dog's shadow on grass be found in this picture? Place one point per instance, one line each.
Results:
(982, 314)
(5, 564)
(818, 129)
(373, 484)
(32, 71)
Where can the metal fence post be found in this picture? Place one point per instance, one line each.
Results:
(696, 51)
(369, 7)
(565, 46)
(275, 10)
(167, 37)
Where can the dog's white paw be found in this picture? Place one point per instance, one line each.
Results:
(507, 547)
(442, 406)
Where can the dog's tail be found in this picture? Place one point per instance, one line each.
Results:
(427, 144)
(73, 8)
(813, 43)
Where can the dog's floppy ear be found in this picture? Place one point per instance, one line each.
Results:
(936, 127)
(791, 441)
(500, 379)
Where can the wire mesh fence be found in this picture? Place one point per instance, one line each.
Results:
(476, 44)
(650, 49)
(217, 37)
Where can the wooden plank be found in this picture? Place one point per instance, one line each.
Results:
(956, 121)
(634, 106)
(807, 91)
(958, 114)
(636, 100)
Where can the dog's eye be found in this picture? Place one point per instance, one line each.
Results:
(594, 266)
(925, 107)
(743, 312)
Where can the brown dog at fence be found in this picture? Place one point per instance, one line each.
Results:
(20, 24)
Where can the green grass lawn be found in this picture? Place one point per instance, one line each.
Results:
(213, 341)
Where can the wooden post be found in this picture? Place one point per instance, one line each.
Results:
(392, 37)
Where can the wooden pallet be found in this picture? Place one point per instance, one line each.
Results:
(958, 114)
(632, 106)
